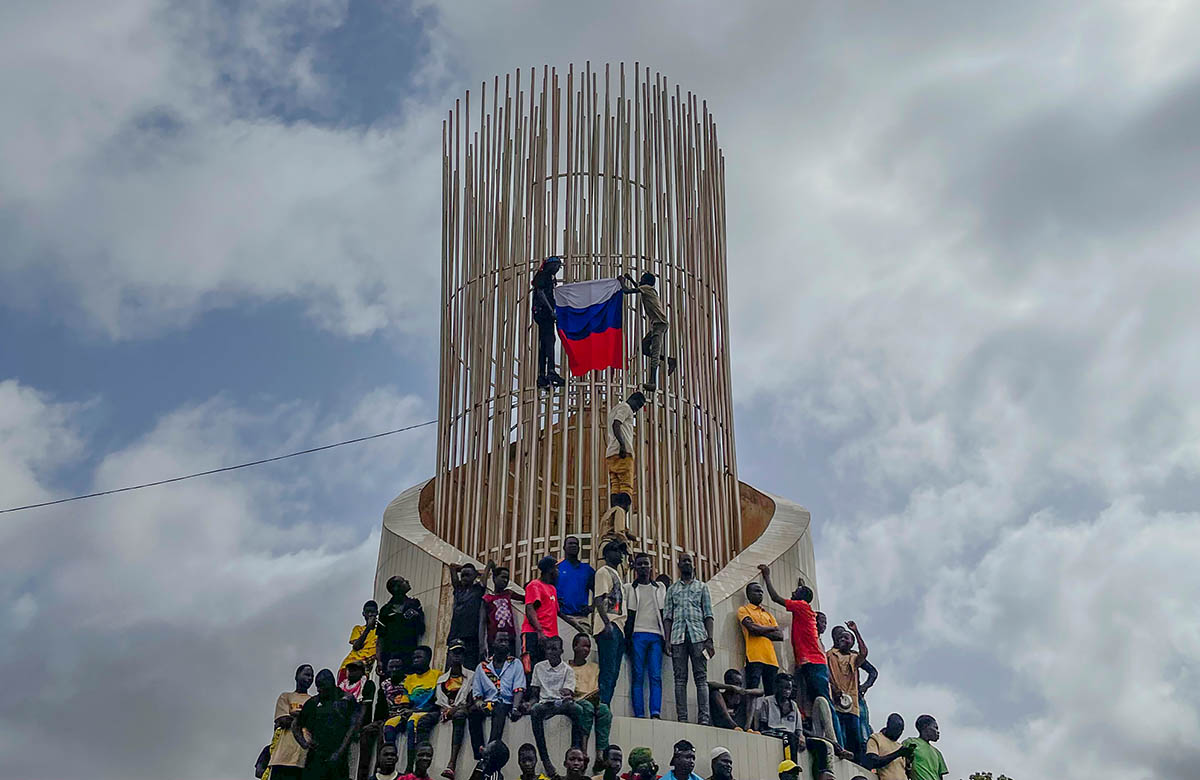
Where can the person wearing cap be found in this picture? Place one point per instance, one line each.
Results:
(618, 458)
(683, 762)
(541, 613)
(655, 341)
(546, 319)
(453, 691)
(788, 769)
(610, 608)
(721, 761)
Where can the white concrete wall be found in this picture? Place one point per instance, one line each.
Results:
(407, 547)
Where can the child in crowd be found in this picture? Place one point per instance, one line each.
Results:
(424, 757)
(501, 617)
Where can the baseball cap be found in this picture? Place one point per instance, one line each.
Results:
(788, 765)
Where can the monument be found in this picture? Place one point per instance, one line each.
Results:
(616, 171)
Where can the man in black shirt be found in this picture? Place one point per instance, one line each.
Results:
(546, 319)
(468, 623)
(400, 625)
(329, 718)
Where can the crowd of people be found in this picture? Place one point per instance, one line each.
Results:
(386, 697)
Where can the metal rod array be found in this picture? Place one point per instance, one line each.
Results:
(614, 178)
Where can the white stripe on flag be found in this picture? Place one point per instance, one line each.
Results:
(580, 295)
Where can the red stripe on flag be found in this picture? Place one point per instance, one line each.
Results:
(596, 352)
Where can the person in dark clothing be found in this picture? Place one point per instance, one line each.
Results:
(329, 718)
(730, 704)
(400, 625)
(654, 343)
(492, 761)
(468, 621)
(546, 319)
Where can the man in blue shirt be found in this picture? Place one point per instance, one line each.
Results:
(683, 761)
(575, 579)
(497, 689)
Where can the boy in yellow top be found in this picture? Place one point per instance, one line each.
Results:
(761, 630)
(592, 711)
(362, 642)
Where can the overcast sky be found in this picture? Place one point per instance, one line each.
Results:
(963, 269)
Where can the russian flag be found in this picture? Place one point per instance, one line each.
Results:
(589, 324)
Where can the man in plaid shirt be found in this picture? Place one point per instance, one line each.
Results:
(688, 623)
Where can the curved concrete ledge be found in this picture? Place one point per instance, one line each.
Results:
(407, 546)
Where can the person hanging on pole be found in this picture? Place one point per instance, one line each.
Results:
(619, 460)
(547, 321)
(655, 341)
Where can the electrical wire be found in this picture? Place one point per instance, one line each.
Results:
(217, 471)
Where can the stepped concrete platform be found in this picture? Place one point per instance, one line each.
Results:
(408, 547)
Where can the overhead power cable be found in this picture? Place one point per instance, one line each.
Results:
(218, 471)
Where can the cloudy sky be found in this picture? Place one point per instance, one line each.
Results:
(963, 276)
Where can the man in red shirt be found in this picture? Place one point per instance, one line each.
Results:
(541, 612)
(812, 670)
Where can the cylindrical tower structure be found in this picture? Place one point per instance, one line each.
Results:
(615, 175)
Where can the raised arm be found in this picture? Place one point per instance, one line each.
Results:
(628, 285)
(774, 594)
(862, 646)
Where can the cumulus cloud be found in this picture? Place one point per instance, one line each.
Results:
(185, 607)
(181, 194)
(962, 287)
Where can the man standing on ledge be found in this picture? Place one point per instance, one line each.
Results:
(546, 320)
(619, 459)
(654, 343)
(688, 622)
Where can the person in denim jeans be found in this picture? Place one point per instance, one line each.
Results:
(688, 622)
(644, 641)
(609, 600)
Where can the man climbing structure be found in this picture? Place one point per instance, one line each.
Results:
(619, 459)
(655, 341)
(546, 319)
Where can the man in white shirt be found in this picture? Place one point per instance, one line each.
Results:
(552, 686)
(609, 601)
(619, 460)
(644, 601)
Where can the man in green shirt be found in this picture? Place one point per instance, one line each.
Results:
(926, 762)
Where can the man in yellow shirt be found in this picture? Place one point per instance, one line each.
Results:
(760, 630)
(363, 644)
(884, 753)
